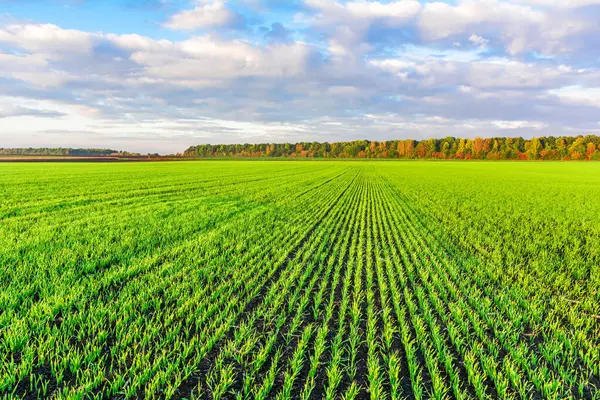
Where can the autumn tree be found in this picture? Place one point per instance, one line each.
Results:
(577, 149)
(477, 147)
(410, 148)
(591, 148)
(401, 148)
(446, 149)
(460, 152)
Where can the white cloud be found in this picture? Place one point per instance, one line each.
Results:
(478, 40)
(394, 64)
(399, 10)
(440, 20)
(197, 61)
(519, 27)
(201, 60)
(559, 3)
(545, 27)
(435, 125)
(394, 13)
(206, 14)
(11, 110)
(23, 106)
(518, 124)
(137, 42)
(347, 24)
(579, 96)
(48, 39)
(498, 74)
(31, 68)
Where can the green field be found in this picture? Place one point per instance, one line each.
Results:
(282, 279)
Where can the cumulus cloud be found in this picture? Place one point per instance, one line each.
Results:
(517, 27)
(560, 3)
(206, 14)
(47, 39)
(497, 74)
(478, 40)
(205, 60)
(9, 110)
(392, 12)
(577, 95)
(350, 24)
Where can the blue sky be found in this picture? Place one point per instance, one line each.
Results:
(161, 75)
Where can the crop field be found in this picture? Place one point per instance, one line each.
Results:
(300, 280)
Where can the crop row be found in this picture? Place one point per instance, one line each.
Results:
(291, 280)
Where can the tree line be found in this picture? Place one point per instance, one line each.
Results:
(60, 151)
(494, 148)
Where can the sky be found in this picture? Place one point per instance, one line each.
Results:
(162, 75)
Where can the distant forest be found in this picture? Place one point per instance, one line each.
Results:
(60, 151)
(496, 148)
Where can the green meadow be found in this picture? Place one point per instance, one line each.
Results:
(303, 280)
